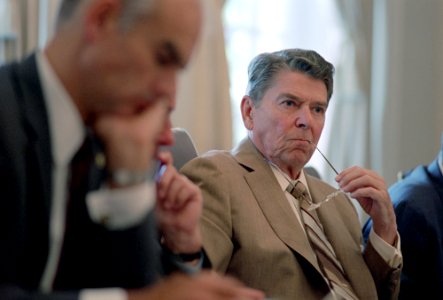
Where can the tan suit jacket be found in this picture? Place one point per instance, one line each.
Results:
(251, 232)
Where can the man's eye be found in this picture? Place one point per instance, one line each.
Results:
(163, 59)
(289, 103)
(167, 55)
(319, 109)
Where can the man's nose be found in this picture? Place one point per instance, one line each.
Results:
(166, 83)
(166, 137)
(304, 118)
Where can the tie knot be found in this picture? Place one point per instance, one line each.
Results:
(298, 190)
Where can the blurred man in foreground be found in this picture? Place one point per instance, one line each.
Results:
(80, 126)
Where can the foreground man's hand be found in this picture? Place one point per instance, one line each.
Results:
(130, 141)
(178, 210)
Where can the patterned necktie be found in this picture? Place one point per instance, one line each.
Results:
(328, 262)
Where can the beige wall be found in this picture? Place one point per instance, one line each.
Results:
(411, 123)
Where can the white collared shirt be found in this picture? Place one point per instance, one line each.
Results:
(283, 182)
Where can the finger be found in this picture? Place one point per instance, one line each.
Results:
(356, 183)
(345, 172)
(165, 157)
(374, 203)
(182, 191)
(161, 169)
(353, 173)
(361, 178)
(366, 192)
(164, 182)
(170, 201)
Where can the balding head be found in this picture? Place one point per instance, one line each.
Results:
(135, 48)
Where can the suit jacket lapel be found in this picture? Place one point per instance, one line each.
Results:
(272, 200)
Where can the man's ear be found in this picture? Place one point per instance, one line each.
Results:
(101, 16)
(247, 111)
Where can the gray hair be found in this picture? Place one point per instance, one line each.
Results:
(263, 69)
(132, 11)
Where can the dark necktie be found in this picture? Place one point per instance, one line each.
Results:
(328, 262)
(79, 172)
(77, 219)
(86, 170)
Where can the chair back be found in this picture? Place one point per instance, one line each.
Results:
(312, 171)
(183, 149)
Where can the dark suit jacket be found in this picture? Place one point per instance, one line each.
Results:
(418, 202)
(92, 256)
(251, 232)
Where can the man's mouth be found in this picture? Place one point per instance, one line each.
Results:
(305, 140)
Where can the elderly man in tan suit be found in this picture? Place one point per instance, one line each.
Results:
(258, 224)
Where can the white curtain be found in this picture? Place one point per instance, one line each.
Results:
(25, 25)
(350, 128)
(407, 84)
(348, 141)
(47, 15)
(30, 23)
(7, 39)
(203, 105)
(389, 111)
(396, 105)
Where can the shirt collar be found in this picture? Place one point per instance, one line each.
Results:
(65, 123)
(284, 180)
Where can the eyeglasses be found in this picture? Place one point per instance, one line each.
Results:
(332, 195)
(312, 205)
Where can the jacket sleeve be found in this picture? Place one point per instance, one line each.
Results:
(387, 279)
